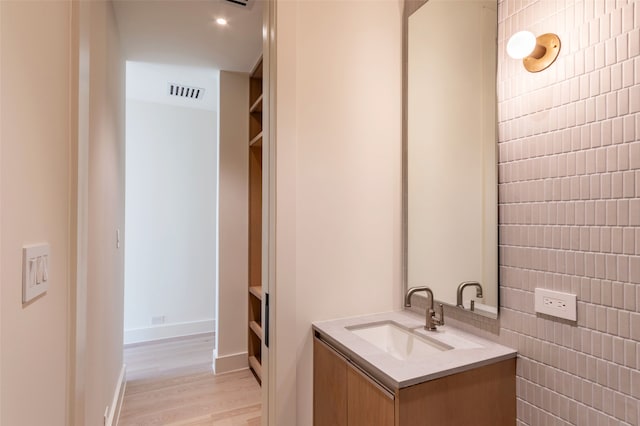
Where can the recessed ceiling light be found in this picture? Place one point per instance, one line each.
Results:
(221, 21)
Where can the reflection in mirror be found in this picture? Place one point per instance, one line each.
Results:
(451, 174)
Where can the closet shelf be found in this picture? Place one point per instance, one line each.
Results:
(256, 290)
(256, 328)
(255, 366)
(256, 141)
(257, 105)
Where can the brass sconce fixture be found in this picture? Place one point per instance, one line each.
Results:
(537, 53)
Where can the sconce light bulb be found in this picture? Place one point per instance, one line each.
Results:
(521, 44)
(221, 21)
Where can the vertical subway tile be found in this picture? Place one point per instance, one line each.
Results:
(629, 129)
(618, 353)
(622, 47)
(627, 66)
(634, 43)
(628, 240)
(623, 268)
(617, 294)
(634, 271)
(634, 151)
(635, 326)
(617, 185)
(612, 212)
(622, 212)
(635, 383)
(630, 353)
(634, 212)
(616, 76)
(624, 325)
(630, 297)
(624, 380)
(569, 208)
(632, 410)
(634, 98)
(616, 240)
(623, 157)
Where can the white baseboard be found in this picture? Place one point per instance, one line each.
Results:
(167, 331)
(113, 413)
(228, 363)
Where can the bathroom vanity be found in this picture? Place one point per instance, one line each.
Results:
(385, 370)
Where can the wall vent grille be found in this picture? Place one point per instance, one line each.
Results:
(183, 91)
(243, 3)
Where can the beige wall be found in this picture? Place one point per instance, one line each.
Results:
(232, 290)
(105, 262)
(338, 193)
(1, 268)
(35, 195)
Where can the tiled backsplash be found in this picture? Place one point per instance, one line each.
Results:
(569, 191)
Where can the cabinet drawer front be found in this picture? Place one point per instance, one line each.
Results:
(368, 403)
(329, 386)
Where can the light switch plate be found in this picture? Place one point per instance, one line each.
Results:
(35, 271)
(556, 304)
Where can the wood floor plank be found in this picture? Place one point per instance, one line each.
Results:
(171, 383)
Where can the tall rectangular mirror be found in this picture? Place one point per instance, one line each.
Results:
(451, 220)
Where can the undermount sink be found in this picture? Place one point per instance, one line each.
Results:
(400, 342)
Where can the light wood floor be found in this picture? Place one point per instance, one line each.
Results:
(171, 383)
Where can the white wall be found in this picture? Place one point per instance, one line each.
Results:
(338, 190)
(102, 361)
(35, 150)
(171, 216)
(231, 327)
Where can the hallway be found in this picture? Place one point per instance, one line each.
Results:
(171, 383)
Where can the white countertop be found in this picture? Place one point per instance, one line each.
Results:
(469, 351)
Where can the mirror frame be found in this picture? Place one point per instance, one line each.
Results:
(409, 7)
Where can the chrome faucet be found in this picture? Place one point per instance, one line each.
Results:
(461, 288)
(432, 319)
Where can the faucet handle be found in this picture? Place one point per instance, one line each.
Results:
(441, 314)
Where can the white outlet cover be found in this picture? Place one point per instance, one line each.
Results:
(35, 271)
(556, 304)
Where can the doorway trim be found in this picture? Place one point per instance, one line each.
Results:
(268, 213)
(79, 211)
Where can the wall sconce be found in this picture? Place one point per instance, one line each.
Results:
(537, 53)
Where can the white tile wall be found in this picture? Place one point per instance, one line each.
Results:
(569, 190)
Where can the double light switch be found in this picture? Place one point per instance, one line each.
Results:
(35, 271)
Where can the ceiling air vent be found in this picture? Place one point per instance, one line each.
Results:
(182, 91)
(243, 3)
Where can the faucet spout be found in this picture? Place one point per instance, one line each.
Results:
(407, 299)
(461, 288)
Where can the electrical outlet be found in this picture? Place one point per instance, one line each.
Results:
(555, 303)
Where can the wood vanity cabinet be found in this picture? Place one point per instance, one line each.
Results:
(344, 395)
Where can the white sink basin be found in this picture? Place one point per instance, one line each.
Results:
(398, 341)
